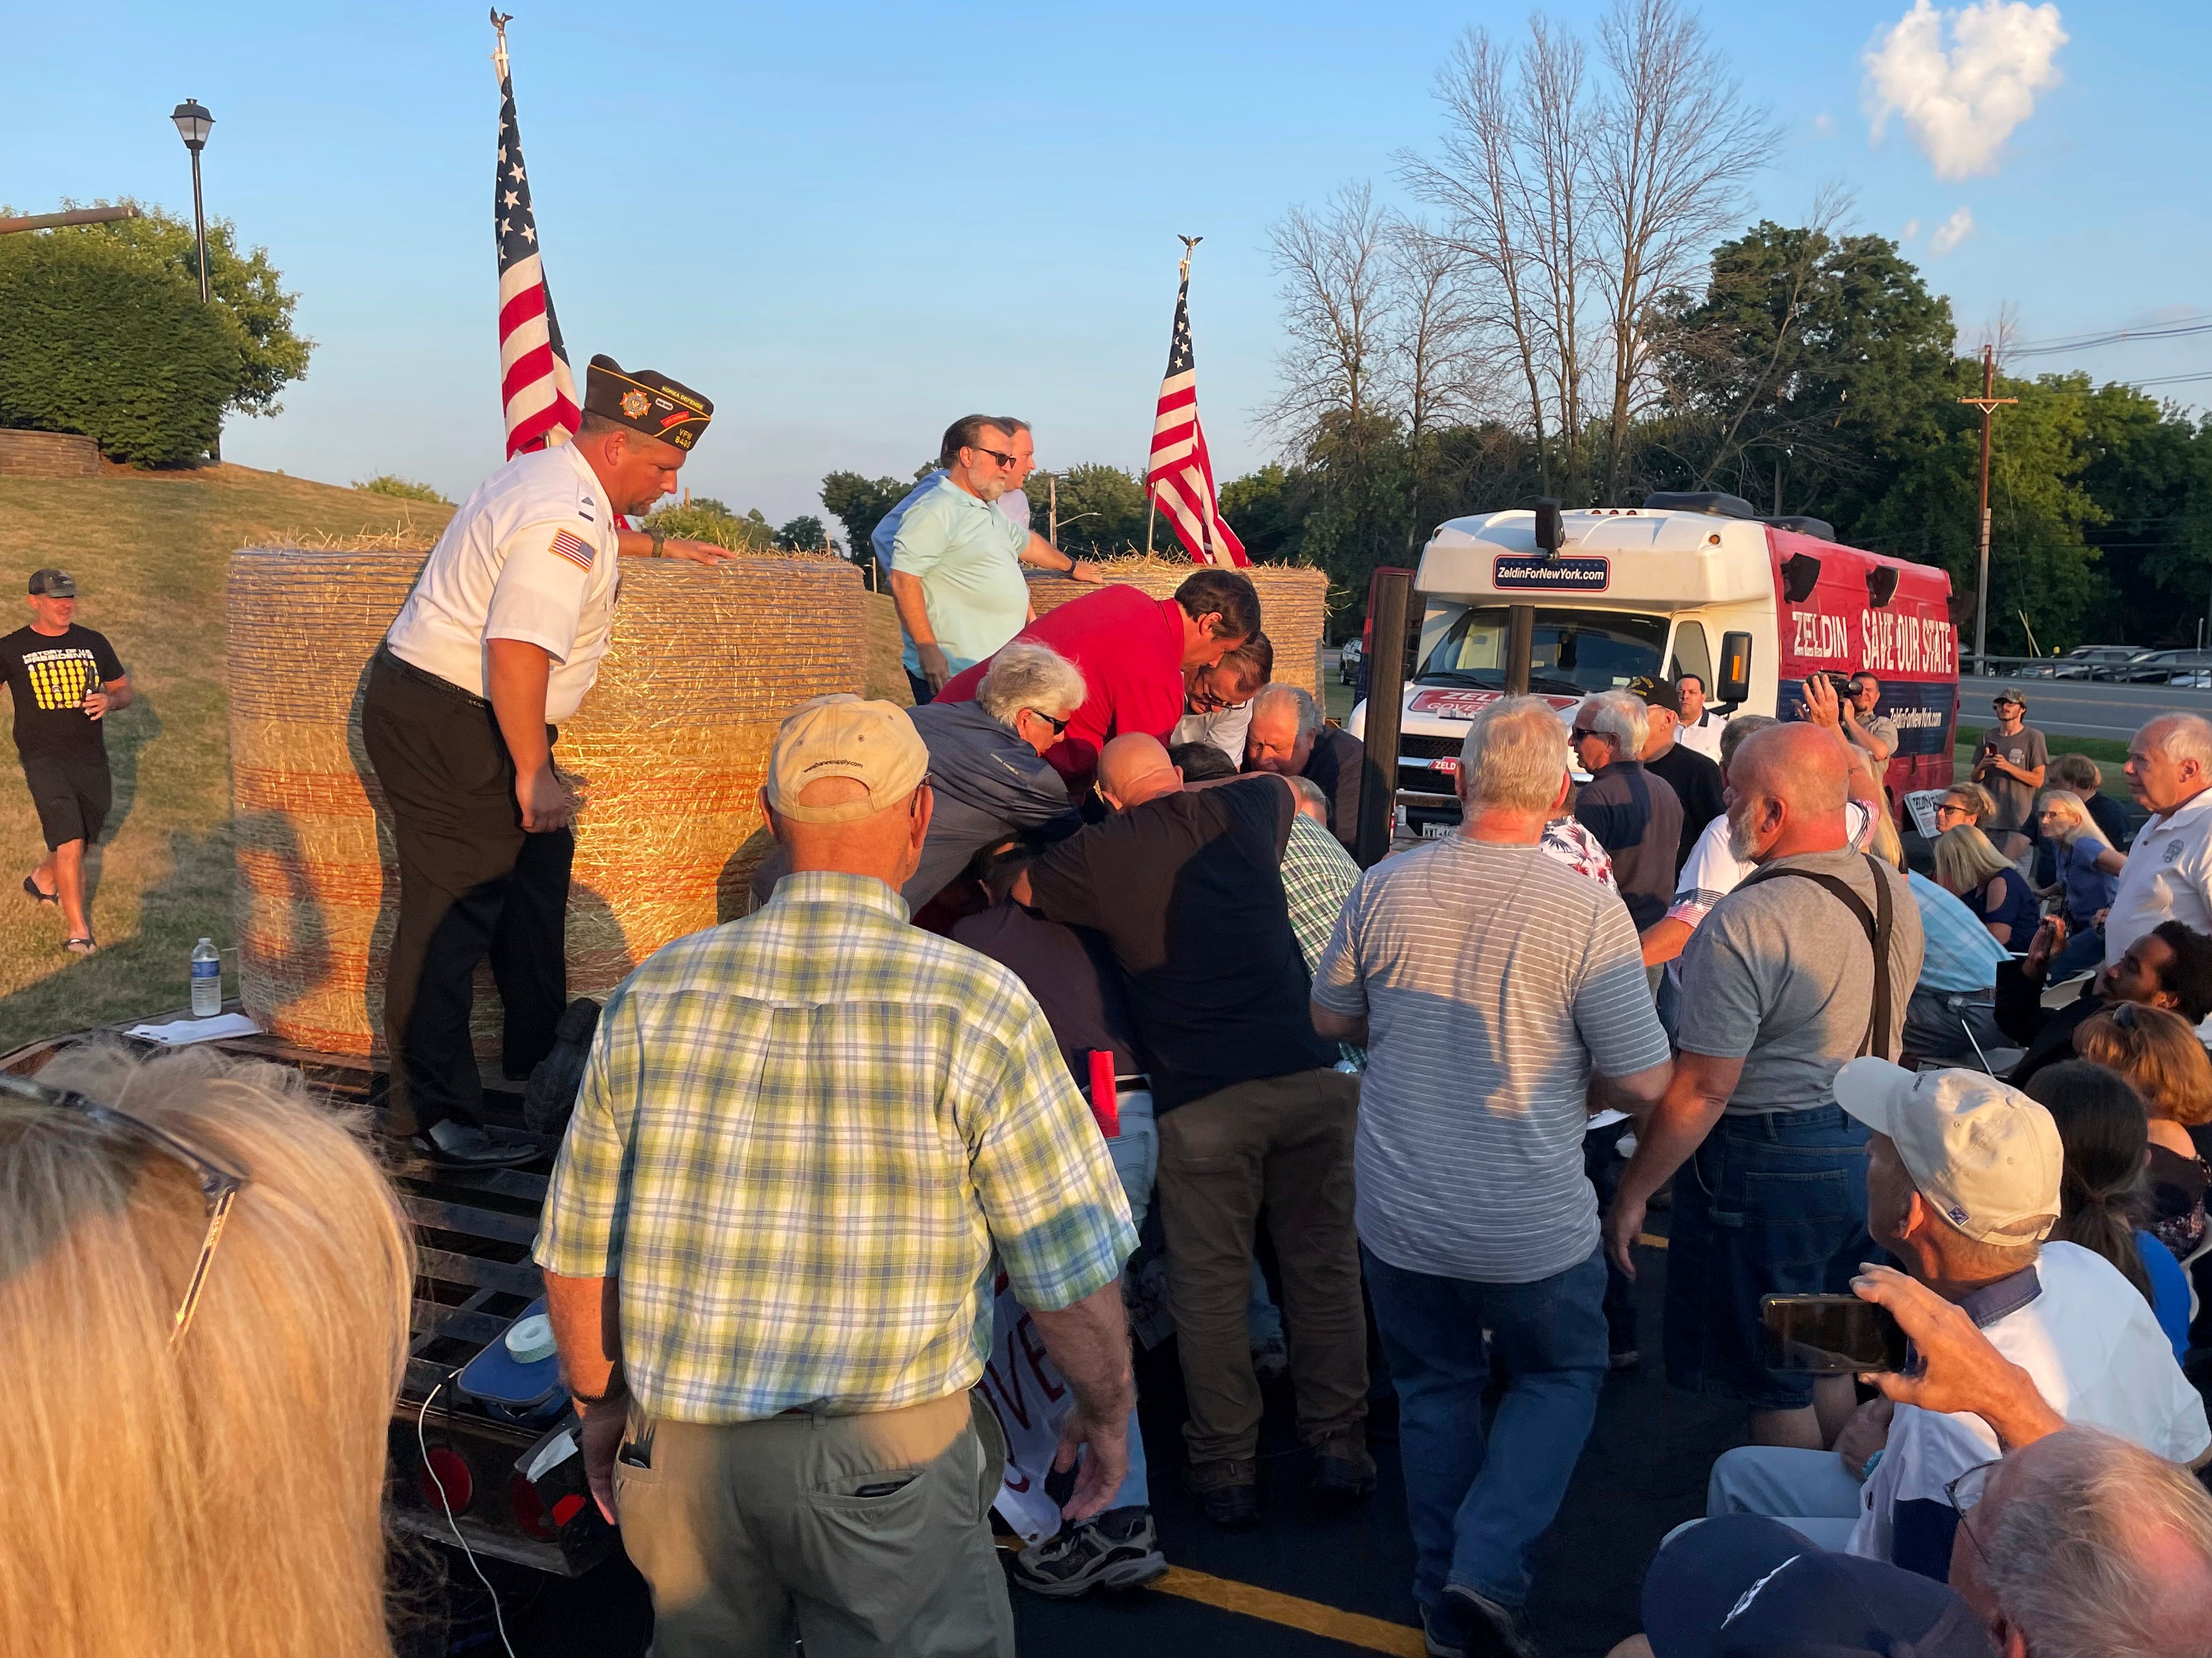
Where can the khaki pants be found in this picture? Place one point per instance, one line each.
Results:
(1285, 1140)
(863, 1536)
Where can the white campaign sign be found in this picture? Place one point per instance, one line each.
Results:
(1031, 1400)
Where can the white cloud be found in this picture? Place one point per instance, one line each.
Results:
(1823, 125)
(1953, 231)
(1912, 230)
(1961, 104)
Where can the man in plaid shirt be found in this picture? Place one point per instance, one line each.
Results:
(768, 1243)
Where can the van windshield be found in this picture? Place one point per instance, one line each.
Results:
(1576, 652)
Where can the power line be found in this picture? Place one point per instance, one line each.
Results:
(2174, 329)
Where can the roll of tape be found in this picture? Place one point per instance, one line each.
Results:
(529, 1340)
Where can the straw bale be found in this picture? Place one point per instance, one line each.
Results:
(670, 747)
(1293, 604)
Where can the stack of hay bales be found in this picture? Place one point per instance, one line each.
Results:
(1293, 606)
(670, 747)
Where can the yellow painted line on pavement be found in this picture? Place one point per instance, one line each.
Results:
(1651, 1240)
(1353, 1629)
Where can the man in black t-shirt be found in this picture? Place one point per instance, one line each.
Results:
(1695, 779)
(1187, 888)
(65, 680)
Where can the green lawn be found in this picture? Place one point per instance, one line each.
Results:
(148, 552)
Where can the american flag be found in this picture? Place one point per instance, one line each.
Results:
(1181, 476)
(540, 391)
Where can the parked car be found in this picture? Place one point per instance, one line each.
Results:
(1347, 661)
(2080, 663)
(2124, 671)
(2176, 668)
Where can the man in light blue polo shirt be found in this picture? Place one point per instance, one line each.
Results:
(955, 552)
(1956, 993)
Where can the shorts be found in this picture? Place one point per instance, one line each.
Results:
(72, 792)
(1770, 1204)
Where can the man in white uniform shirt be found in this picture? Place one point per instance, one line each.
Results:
(1701, 727)
(2168, 873)
(499, 641)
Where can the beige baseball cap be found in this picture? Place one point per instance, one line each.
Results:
(875, 743)
(1986, 1156)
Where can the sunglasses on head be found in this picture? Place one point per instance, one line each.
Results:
(219, 1187)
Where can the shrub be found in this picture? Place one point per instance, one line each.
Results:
(405, 488)
(96, 339)
(706, 522)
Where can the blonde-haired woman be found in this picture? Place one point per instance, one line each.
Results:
(205, 1280)
(1986, 882)
(2082, 861)
(2159, 1056)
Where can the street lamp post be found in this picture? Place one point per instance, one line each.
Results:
(192, 124)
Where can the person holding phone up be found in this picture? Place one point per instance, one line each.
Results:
(2011, 762)
(1962, 1182)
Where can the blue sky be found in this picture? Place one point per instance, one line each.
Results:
(848, 223)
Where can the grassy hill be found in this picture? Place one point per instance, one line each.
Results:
(149, 551)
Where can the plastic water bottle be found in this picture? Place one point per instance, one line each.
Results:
(207, 979)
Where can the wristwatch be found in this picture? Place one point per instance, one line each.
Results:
(659, 536)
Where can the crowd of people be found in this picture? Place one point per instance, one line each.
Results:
(1072, 965)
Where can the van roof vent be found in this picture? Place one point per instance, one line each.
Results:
(1705, 500)
(1820, 527)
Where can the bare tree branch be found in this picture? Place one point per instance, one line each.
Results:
(1336, 299)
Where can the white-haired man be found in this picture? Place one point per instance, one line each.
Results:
(803, 1140)
(1501, 997)
(1289, 737)
(986, 772)
(1963, 1188)
(1638, 820)
(2167, 876)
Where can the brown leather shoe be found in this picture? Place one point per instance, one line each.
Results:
(1343, 1471)
(1229, 1491)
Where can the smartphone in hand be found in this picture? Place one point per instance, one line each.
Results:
(1830, 1335)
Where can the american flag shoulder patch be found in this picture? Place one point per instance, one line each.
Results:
(573, 547)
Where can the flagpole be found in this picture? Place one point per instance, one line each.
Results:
(499, 23)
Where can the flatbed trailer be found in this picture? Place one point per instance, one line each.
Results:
(473, 1231)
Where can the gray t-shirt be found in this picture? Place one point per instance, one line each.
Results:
(1493, 979)
(2025, 749)
(1780, 975)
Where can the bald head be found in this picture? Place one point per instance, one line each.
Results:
(1134, 769)
(1786, 790)
(2085, 1544)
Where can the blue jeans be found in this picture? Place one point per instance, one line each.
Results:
(1769, 1204)
(1136, 1157)
(1478, 1504)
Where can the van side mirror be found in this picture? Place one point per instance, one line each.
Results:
(1733, 682)
(1549, 534)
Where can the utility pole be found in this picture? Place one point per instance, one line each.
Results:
(1988, 403)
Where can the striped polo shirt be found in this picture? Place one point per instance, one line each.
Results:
(1493, 979)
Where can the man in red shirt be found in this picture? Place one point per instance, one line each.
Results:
(1133, 650)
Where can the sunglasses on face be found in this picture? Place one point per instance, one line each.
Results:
(1949, 810)
(1582, 735)
(1000, 455)
(219, 1187)
(1059, 726)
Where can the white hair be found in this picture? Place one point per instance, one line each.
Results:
(1309, 712)
(2184, 737)
(1619, 714)
(2070, 805)
(1514, 756)
(2069, 1561)
(1026, 674)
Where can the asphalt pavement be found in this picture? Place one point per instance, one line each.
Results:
(2080, 708)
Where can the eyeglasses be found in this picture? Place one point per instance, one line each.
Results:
(1944, 809)
(1581, 734)
(219, 1187)
(1003, 459)
(1968, 1490)
(1059, 726)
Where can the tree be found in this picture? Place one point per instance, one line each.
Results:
(1808, 370)
(861, 504)
(2148, 467)
(246, 287)
(1268, 509)
(1335, 271)
(804, 533)
(1102, 510)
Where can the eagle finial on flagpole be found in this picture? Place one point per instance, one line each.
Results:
(1189, 244)
(500, 21)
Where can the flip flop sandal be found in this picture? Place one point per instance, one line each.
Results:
(79, 946)
(32, 888)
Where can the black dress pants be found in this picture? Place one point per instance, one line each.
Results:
(472, 884)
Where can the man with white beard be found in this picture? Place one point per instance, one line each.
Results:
(1808, 963)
